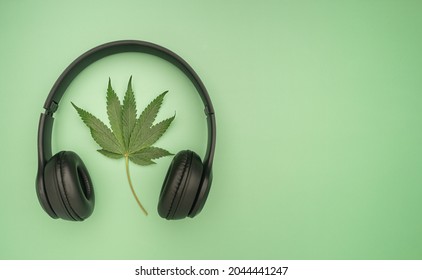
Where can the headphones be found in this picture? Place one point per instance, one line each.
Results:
(64, 187)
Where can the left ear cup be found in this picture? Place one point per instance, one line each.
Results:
(180, 186)
(68, 187)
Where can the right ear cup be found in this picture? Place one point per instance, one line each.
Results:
(68, 187)
(180, 186)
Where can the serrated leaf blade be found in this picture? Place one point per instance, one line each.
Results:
(114, 112)
(140, 159)
(154, 152)
(146, 155)
(128, 114)
(110, 154)
(154, 133)
(145, 121)
(99, 131)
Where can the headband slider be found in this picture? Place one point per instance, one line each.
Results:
(52, 108)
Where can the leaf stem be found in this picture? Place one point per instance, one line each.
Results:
(131, 186)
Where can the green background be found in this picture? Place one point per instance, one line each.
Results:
(318, 107)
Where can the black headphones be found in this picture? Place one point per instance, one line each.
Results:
(63, 184)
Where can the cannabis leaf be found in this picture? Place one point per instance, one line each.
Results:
(130, 136)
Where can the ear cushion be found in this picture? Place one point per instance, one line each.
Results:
(180, 186)
(68, 187)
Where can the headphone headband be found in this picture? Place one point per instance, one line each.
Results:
(123, 46)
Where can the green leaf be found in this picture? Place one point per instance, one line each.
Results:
(110, 154)
(99, 131)
(154, 133)
(145, 156)
(154, 152)
(114, 112)
(149, 114)
(139, 159)
(128, 137)
(128, 114)
(144, 122)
